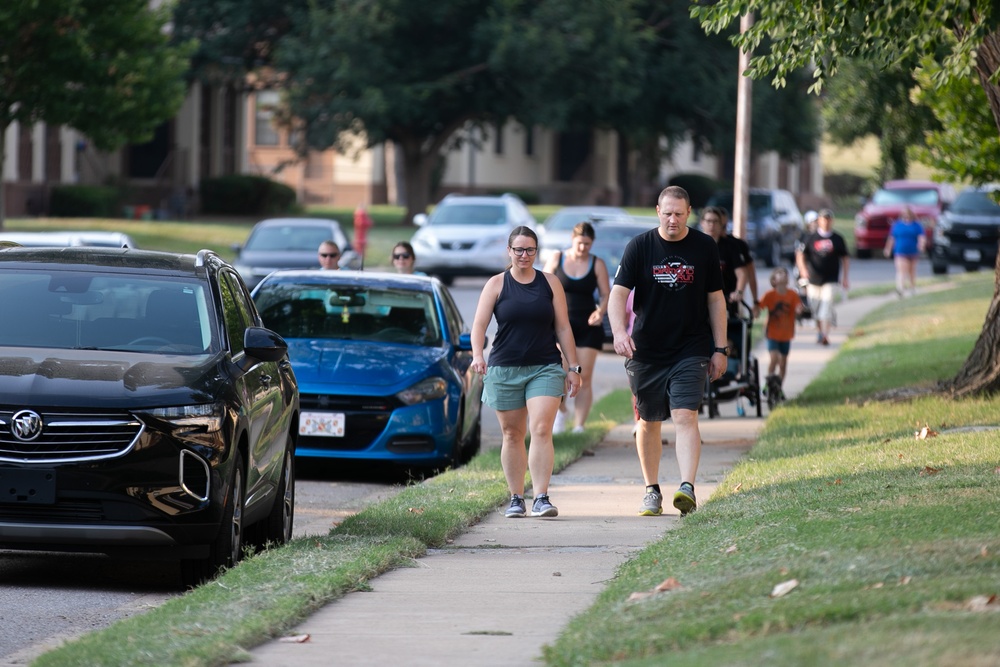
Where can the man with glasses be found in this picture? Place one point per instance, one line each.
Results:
(329, 256)
(679, 337)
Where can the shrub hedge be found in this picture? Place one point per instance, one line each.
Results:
(243, 194)
(85, 201)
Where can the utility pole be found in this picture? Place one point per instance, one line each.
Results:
(744, 113)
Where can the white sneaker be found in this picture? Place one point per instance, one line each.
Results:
(560, 424)
(578, 429)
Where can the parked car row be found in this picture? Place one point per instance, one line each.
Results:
(152, 406)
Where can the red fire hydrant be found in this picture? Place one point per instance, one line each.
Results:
(362, 223)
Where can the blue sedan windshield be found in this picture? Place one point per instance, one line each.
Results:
(323, 311)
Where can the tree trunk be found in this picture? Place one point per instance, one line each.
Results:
(417, 167)
(981, 372)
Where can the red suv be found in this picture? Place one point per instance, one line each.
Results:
(926, 199)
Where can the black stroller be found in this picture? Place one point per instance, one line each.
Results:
(742, 379)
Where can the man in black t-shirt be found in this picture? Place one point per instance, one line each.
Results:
(734, 258)
(822, 259)
(678, 338)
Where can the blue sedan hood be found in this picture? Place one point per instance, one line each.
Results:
(361, 365)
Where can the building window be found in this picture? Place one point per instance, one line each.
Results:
(498, 140)
(529, 141)
(265, 134)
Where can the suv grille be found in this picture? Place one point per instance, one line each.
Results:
(986, 234)
(70, 436)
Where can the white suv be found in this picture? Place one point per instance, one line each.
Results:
(467, 235)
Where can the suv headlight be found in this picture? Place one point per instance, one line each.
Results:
(423, 391)
(424, 241)
(206, 417)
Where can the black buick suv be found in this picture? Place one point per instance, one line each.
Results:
(144, 409)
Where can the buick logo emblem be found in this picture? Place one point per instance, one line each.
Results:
(26, 425)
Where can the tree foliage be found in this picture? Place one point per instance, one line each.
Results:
(235, 37)
(966, 145)
(867, 99)
(104, 67)
(398, 71)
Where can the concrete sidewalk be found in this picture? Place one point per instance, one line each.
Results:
(506, 588)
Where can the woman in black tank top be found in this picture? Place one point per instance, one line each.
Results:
(524, 380)
(584, 278)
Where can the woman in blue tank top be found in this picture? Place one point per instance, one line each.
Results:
(524, 381)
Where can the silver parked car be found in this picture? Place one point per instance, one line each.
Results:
(290, 243)
(467, 236)
(69, 239)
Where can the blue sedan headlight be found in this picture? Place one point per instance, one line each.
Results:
(423, 391)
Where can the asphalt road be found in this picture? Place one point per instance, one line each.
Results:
(45, 598)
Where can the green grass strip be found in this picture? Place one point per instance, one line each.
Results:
(891, 538)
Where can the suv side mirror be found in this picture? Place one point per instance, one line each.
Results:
(420, 219)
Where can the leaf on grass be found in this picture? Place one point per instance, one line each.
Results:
(731, 549)
(925, 432)
(415, 510)
(904, 580)
(784, 588)
(294, 639)
(640, 596)
(850, 509)
(737, 487)
(984, 552)
(668, 584)
(983, 603)
(930, 471)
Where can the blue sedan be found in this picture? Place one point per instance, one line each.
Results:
(383, 366)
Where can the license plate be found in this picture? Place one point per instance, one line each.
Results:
(972, 255)
(28, 487)
(322, 424)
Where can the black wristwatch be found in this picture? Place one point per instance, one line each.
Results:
(576, 369)
(723, 350)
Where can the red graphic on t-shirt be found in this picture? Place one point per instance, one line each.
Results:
(673, 274)
(823, 246)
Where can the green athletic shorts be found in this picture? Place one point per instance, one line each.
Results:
(509, 387)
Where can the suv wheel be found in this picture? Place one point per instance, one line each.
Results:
(939, 269)
(276, 528)
(863, 253)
